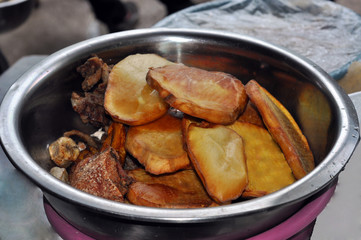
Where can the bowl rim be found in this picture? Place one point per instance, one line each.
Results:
(328, 169)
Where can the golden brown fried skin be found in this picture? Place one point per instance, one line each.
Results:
(283, 129)
(158, 145)
(214, 96)
(218, 156)
(182, 189)
(116, 139)
(268, 170)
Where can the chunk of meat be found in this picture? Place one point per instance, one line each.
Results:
(182, 189)
(90, 108)
(218, 156)
(158, 145)
(91, 71)
(128, 98)
(217, 97)
(283, 128)
(267, 167)
(64, 151)
(251, 115)
(102, 176)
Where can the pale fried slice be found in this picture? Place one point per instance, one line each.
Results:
(214, 96)
(186, 121)
(283, 129)
(158, 145)
(267, 167)
(128, 97)
(218, 156)
(251, 115)
(182, 189)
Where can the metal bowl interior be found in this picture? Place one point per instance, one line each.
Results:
(37, 110)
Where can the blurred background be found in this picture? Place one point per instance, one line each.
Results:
(55, 24)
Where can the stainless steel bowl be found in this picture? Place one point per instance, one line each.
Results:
(37, 110)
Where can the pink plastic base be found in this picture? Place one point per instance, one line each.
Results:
(299, 226)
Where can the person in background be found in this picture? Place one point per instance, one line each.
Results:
(120, 16)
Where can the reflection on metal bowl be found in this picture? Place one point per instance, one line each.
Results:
(36, 110)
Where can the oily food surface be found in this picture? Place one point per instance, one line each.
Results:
(217, 154)
(158, 145)
(148, 154)
(128, 98)
(268, 170)
(214, 96)
(283, 129)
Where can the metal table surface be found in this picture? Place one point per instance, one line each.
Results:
(23, 216)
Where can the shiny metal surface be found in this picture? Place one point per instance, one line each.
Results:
(345, 204)
(37, 110)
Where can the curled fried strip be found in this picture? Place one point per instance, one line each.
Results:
(116, 140)
(88, 139)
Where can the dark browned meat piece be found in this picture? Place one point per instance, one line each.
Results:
(91, 71)
(102, 176)
(90, 108)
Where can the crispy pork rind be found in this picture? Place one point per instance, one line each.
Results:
(182, 189)
(214, 96)
(267, 167)
(128, 98)
(158, 145)
(283, 129)
(101, 175)
(218, 156)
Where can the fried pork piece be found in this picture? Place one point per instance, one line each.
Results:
(214, 96)
(283, 129)
(267, 167)
(64, 151)
(158, 145)
(182, 189)
(90, 108)
(101, 175)
(218, 156)
(128, 98)
(93, 70)
(251, 115)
